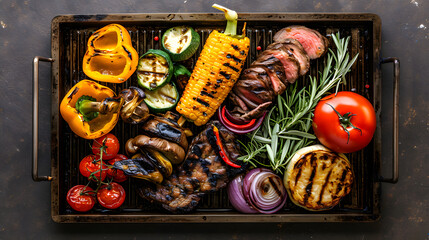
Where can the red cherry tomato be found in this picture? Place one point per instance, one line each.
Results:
(116, 174)
(110, 142)
(111, 196)
(344, 123)
(80, 199)
(89, 164)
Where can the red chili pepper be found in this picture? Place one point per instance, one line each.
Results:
(244, 126)
(221, 150)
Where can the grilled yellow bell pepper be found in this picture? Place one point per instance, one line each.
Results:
(110, 56)
(90, 109)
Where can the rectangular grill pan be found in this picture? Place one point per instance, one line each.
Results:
(68, 41)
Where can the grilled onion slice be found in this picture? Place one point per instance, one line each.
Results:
(317, 178)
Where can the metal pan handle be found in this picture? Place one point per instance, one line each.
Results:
(35, 171)
(395, 161)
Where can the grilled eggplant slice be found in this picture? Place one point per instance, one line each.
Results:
(157, 128)
(172, 151)
(317, 178)
(140, 167)
(162, 163)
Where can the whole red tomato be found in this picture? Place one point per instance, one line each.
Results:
(344, 123)
(80, 199)
(89, 165)
(116, 174)
(111, 196)
(111, 144)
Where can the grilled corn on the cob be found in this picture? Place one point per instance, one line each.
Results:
(215, 72)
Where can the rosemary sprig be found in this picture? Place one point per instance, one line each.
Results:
(287, 126)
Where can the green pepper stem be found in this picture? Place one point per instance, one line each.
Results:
(231, 18)
(90, 108)
(87, 106)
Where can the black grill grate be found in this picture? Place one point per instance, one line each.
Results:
(72, 46)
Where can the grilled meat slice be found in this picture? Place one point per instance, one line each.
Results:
(315, 45)
(255, 87)
(236, 100)
(252, 114)
(277, 84)
(254, 90)
(293, 48)
(268, 77)
(244, 99)
(257, 73)
(317, 178)
(290, 64)
(171, 195)
(203, 171)
(280, 64)
(268, 60)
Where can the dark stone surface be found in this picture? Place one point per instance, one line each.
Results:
(25, 205)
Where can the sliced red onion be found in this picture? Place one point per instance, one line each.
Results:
(233, 118)
(239, 131)
(264, 190)
(247, 181)
(261, 190)
(236, 197)
(267, 193)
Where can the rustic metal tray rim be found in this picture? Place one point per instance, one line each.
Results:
(201, 216)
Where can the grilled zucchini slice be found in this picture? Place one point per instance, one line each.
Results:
(317, 178)
(162, 99)
(155, 69)
(180, 42)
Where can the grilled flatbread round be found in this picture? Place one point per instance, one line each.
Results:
(317, 178)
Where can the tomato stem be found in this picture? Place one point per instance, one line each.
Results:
(100, 159)
(83, 192)
(345, 121)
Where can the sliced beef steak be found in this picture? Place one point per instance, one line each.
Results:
(290, 64)
(315, 45)
(293, 48)
(279, 65)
